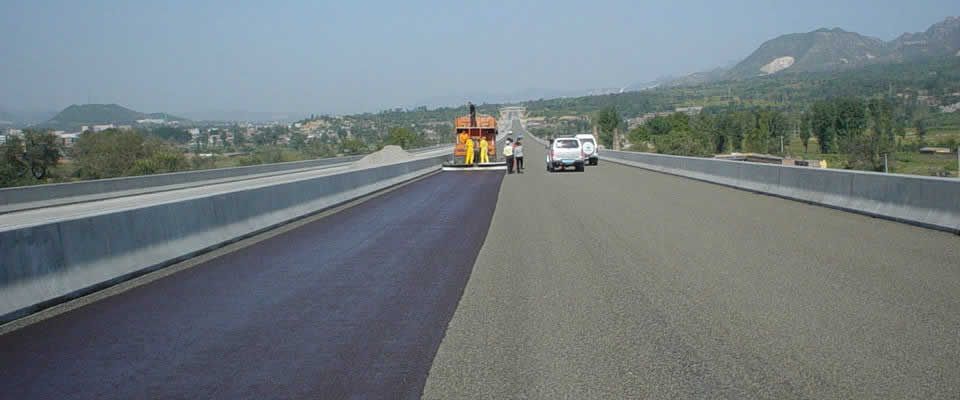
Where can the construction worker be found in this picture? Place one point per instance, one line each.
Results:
(463, 138)
(484, 151)
(508, 154)
(469, 151)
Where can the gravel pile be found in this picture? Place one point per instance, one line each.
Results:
(388, 155)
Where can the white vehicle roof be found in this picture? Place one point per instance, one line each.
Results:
(584, 136)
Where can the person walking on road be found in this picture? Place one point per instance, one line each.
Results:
(518, 156)
(484, 151)
(469, 152)
(508, 154)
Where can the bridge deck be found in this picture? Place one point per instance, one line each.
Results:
(353, 304)
(622, 283)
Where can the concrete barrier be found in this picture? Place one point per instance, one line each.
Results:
(924, 201)
(27, 194)
(92, 188)
(47, 263)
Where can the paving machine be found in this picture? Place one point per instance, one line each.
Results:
(475, 128)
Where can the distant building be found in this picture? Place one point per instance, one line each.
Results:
(149, 121)
(950, 108)
(67, 139)
(101, 128)
(694, 110)
(194, 132)
(935, 150)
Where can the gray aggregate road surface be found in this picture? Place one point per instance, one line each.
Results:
(622, 283)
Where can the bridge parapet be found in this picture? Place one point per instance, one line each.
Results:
(925, 201)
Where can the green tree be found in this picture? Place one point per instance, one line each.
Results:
(921, 128)
(683, 142)
(851, 119)
(28, 158)
(42, 148)
(113, 153)
(779, 126)
(298, 140)
(176, 135)
(608, 121)
(805, 128)
(757, 136)
(403, 137)
(822, 121)
(353, 146)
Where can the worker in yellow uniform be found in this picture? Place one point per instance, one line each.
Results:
(484, 151)
(469, 155)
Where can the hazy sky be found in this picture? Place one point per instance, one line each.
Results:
(350, 56)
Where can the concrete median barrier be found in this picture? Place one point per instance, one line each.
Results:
(47, 263)
(93, 187)
(924, 201)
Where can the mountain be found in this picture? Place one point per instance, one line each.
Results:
(836, 49)
(941, 39)
(7, 118)
(91, 114)
(693, 79)
(20, 118)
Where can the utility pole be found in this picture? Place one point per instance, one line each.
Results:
(886, 170)
(781, 144)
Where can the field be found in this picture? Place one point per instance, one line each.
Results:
(907, 161)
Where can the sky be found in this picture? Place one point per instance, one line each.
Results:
(335, 57)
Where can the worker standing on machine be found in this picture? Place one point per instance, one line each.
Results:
(484, 151)
(469, 151)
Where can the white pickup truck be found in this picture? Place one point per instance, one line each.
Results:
(565, 152)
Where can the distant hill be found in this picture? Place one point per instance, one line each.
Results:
(825, 50)
(91, 114)
(22, 118)
(837, 49)
(7, 118)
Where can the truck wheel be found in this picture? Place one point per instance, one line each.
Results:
(580, 168)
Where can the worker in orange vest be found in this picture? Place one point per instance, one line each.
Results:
(469, 150)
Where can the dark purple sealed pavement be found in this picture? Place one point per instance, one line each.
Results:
(351, 306)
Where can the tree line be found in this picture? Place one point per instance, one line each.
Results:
(861, 130)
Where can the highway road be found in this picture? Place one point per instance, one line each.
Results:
(612, 283)
(621, 283)
(351, 306)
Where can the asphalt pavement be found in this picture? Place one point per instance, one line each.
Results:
(622, 283)
(353, 305)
